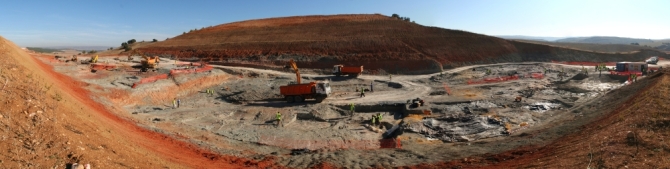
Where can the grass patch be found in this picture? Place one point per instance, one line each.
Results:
(43, 50)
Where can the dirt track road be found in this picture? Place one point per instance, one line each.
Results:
(409, 90)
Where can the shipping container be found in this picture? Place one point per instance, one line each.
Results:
(631, 66)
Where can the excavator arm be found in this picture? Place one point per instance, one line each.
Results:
(295, 68)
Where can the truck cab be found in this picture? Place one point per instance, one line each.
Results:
(337, 69)
(323, 88)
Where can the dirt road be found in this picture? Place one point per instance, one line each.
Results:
(409, 89)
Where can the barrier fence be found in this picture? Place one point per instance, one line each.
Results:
(290, 143)
(494, 79)
(505, 78)
(98, 66)
(585, 63)
(626, 73)
(172, 73)
(150, 79)
(190, 70)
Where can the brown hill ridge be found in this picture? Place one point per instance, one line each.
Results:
(373, 40)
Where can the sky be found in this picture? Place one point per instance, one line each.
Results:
(48, 23)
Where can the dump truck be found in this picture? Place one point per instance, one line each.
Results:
(298, 92)
(339, 70)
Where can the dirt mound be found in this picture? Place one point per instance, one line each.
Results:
(376, 41)
(579, 76)
(48, 120)
(628, 131)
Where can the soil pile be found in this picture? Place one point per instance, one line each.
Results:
(49, 121)
(44, 127)
(628, 131)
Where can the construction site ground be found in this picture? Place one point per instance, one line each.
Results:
(469, 110)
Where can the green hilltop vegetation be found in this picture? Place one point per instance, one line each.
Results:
(43, 50)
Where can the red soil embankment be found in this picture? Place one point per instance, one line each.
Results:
(631, 133)
(166, 148)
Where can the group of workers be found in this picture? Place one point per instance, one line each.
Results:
(376, 119)
(176, 102)
(209, 91)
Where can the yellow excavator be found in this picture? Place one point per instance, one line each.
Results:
(94, 59)
(149, 62)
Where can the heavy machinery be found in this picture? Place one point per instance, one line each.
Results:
(299, 92)
(94, 59)
(149, 62)
(339, 70)
(652, 60)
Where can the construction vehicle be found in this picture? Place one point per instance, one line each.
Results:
(627, 68)
(149, 62)
(299, 92)
(94, 59)
(652, 60)
(339, 70)
(73, 59)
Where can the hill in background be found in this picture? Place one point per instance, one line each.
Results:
(376, 41)
(594, 47)
(605, 40)
(43, 50)
(534, 38)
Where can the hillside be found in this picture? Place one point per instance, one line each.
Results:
(378, 42)
(594, 47)
(49, 120)
(604, 40)
(629, 131)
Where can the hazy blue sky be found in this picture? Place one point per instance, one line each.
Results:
(108, 23)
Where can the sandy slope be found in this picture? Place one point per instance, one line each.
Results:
(67, 126)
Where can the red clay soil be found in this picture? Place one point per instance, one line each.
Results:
(631, 136)
(375, 41)
(165, 146)
(143, 148)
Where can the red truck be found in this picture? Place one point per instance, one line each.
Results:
(299, 92)
(354, 71)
